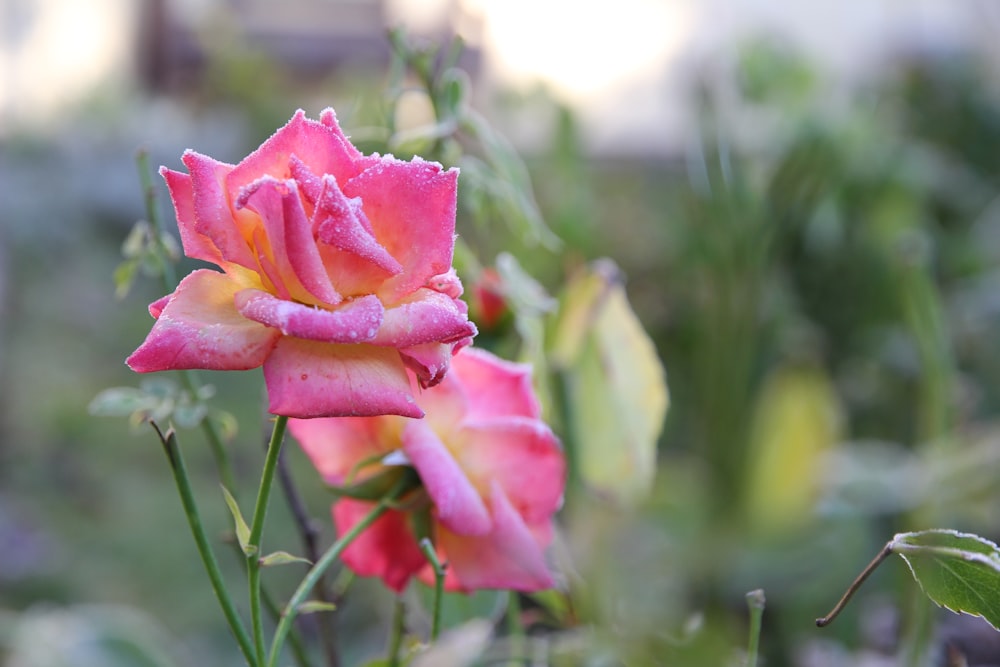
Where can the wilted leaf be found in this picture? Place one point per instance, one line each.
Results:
(958, 571)
(242, 530)
(615, 384)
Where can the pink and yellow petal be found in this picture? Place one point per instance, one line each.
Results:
(194, 244)
(353, 322)
(212, 213)
(312, 379)
(429, 362)
(411, 207)
(199, 327)
(509, 557)
(522, 456)
(425, 316)
(289, 244)
(319, 145)
(495, 387)
(340, 222)
(457, 504)
(337, 446)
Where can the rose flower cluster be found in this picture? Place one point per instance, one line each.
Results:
(336, 277)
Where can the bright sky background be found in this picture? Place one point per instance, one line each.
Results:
(621, 62)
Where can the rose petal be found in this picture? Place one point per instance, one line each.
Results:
(510, 556)
(522, 455)
(495, 387)
(429, 362)
(386, 549)
(353, 322)
(195, 245)
(447, 283)
(310, 379)
(319, 145)
(213, 216)
(310, 185)
(424, 317)
(341, 223)
(336, 446)
(199, 327)
(411, 206)
(457, 503)
(289, 237)
(157, 306)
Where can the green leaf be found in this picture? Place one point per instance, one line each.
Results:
(282, 558)
(242, 529)
(315, 606)
(958, 571)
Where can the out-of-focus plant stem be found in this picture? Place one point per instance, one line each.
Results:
(257, 530)
(432, 558)
(321, 566)
(515, 631)
(396, 636)
(309, 536)
(755, 603)
(173, 452)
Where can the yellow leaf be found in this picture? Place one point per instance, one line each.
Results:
(616, 387)
(797, 419)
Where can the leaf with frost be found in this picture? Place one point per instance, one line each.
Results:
(958, 571)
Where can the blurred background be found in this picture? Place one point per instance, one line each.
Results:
(803, 198)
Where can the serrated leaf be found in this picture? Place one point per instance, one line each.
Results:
(958, 571)
(242, 529)
(316, 606)
(282, 558)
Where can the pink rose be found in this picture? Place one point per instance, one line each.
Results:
(336, 273)
(492, 476)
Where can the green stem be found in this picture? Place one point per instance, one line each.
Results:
(515, 631)
(257, 529)
(431, 556)
(321, 566)
(755, 602)
(173, 452)
(398, 629)
(294, 638)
